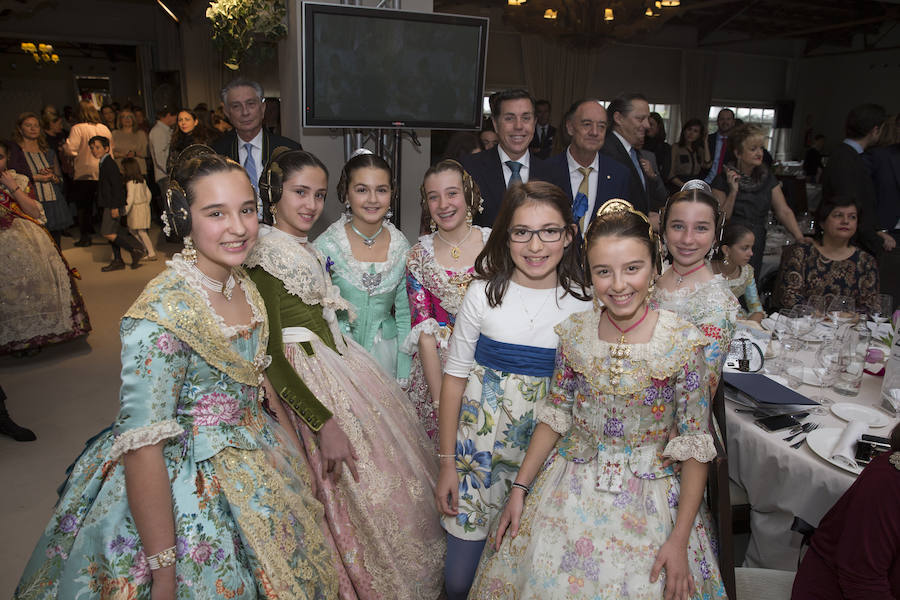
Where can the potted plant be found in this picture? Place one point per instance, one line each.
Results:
(238, 24)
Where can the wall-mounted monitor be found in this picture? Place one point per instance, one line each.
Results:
(378, 68)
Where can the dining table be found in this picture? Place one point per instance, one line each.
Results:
(783, 482)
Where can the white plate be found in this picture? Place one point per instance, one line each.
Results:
(856, 412)
(822, 441)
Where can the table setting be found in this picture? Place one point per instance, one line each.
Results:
(811, 378)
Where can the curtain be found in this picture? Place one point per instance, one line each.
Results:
(557, 73)
(697, 74)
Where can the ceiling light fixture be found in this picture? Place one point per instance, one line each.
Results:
(166, 8)
(649, 12)
(671, 3)
(608, 14)
(550, 13)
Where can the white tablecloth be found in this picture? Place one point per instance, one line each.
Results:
(782, 482)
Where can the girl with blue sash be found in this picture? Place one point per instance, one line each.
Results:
(499, 365)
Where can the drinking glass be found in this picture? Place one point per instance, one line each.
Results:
(800, 318)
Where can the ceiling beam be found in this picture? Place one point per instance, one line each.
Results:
(728, 20)
(889, 16)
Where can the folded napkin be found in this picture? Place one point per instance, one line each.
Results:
(845, 449)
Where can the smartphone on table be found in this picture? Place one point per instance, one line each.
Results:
(777, 422)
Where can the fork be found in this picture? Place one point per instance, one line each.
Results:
(805, 428)
(796, 445)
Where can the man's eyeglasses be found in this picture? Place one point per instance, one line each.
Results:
(521, 235)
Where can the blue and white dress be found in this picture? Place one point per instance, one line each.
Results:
(507, 353)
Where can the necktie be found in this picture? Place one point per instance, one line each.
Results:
(515, 167)
(721, 160)
(250, 168)
(580, 206)
(637, 165)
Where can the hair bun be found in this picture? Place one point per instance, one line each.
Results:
(189, 153)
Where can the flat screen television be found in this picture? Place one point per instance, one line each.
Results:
(378, 68)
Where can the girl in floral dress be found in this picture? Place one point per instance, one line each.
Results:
(438, 271)
(690, 224)
(367, 255)
(190, 494)
(345, 408)
(499, 365)
(604, 518)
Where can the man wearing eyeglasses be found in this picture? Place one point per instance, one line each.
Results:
(249, 143)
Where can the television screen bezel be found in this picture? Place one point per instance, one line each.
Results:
(308, 77)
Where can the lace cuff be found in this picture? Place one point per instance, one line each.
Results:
(698, 446)
(144, 436)
(429, 326)
(558, 419)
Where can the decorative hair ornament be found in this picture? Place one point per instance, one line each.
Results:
(617, 205)
(167, 229)
(702, 186)
(696, 184)
(360, 151)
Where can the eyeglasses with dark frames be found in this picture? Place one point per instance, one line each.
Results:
(523, 235)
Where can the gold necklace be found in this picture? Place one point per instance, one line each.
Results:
(454, 249)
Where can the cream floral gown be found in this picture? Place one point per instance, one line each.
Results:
(603, 504)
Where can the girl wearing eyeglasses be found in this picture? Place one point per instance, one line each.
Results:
(499, 365)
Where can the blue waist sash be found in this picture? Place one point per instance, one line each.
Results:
(515, 358)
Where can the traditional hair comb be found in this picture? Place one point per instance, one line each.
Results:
(617, 205)
(697, 184)
(359, 151)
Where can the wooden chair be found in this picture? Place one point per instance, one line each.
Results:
(719, 497)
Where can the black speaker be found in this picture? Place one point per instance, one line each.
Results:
(784, 114)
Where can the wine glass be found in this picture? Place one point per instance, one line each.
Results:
(841, 309)
(826, 371)
(882, 308)
(802, 323)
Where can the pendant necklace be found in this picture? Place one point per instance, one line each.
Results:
(621, 351)
(369, 241)
(454, 249)
(226, 288)
(681, 275)
(525, 307)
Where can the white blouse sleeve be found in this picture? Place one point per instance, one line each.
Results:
(466, 331)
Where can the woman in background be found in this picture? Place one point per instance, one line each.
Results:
(187, 132)
(130, 141)
(46, 175)
(86, 168)
(690, 156)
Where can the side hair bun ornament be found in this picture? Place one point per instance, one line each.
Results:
(696, 184)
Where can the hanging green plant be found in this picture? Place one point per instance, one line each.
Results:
(237, 24)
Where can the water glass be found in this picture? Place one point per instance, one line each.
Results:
(882, 309)
(854, 345)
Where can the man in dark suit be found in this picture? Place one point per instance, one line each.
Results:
(544, 132)
(111, 198)
(588, 177)
(848, 175)
(510, 161)
(721, 152)
(629, 119)
(249, 143)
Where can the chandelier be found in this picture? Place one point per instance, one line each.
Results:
(40, 52)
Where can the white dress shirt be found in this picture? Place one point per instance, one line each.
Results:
(256, 144)
(507, 172)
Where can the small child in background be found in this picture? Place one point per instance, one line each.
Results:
(732, 260)
(137, 204)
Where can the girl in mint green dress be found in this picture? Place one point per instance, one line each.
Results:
(366, 255)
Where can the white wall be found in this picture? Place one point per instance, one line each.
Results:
(328, 145)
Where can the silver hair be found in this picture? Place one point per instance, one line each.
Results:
(242, 82)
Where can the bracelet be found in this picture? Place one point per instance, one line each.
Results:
(522, 487)
(446, 455)
(162, 559)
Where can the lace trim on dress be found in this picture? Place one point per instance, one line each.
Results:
(739, 283)
(431, 327)
(895, 460)
(448, 285)
(374, 277)
(698, 446)
(302, 271)
(144, 436)
(192, 277)
(558, 419)
(670, 347)
(172, 303)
